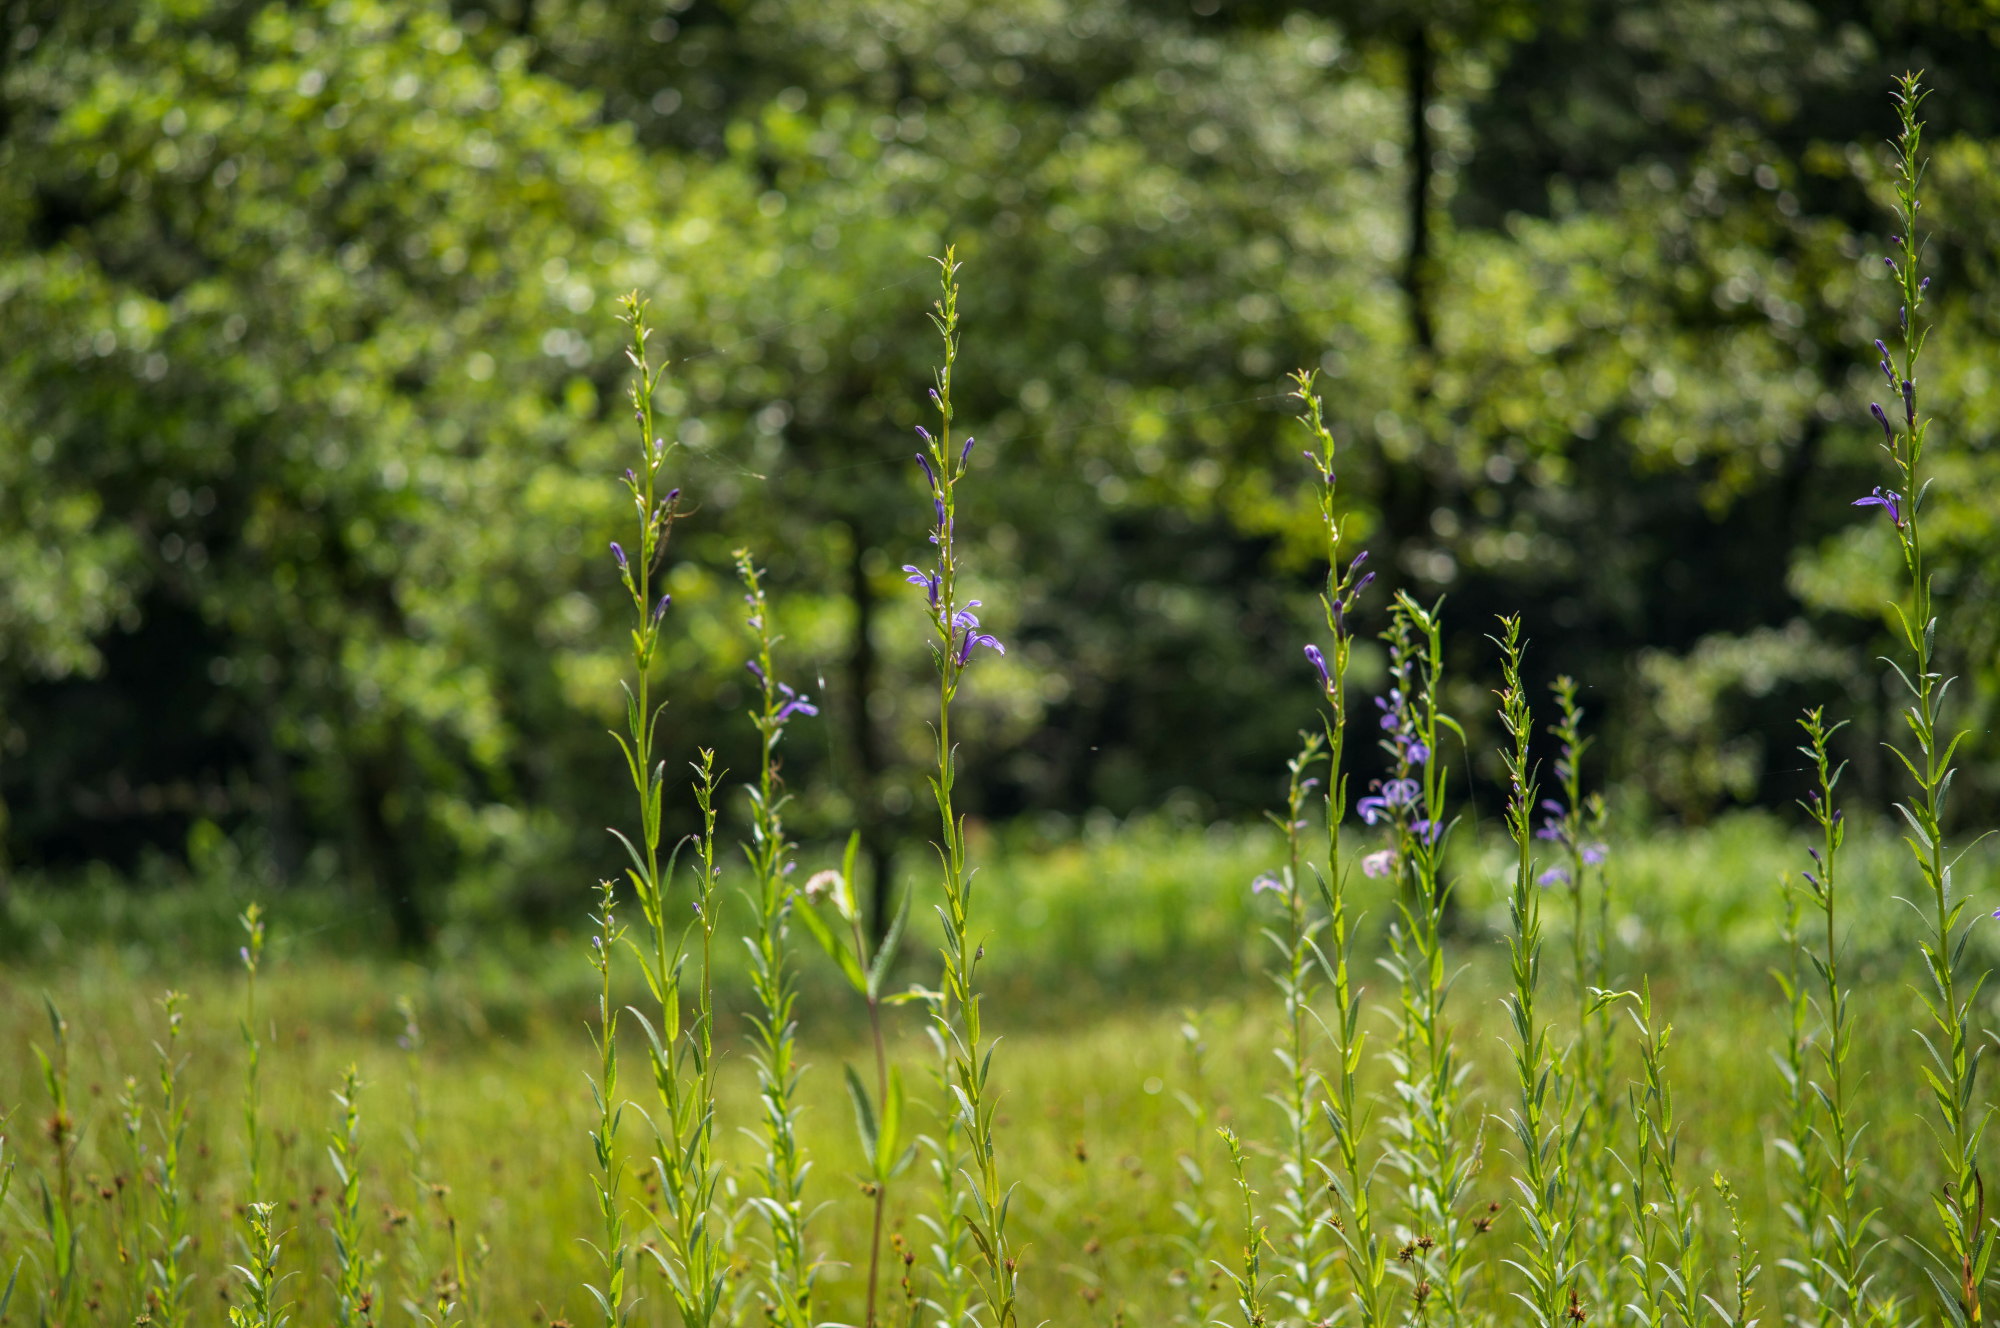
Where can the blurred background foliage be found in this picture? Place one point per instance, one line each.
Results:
(311, 395)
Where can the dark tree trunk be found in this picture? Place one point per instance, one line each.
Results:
(1418, 60)
(382, 853)
(875, 839)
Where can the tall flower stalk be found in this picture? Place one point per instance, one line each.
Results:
(1348, 1174)
(956, 636)
(354, 1302)
(1961, 1257)
(1252, 1283)
(788, 1272)
(1300, 1195)
(260, 1274)
(1803, 1179)
(878, 1114)
(58, 1204)
(252, 955)
(1542, 1135)
(1431, 1145)
(679, 1049)
(1575, 823)
(610, 1247)
(1843, 1252)
(1666, 1261)
(170, 1235)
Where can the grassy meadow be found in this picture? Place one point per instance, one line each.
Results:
(1111, 944)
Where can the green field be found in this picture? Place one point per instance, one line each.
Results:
(1105, 945)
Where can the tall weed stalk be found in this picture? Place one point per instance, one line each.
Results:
(956, 635)
(1960, 1255)
(1348, 1176)
(680, 1051)
(788, 1271)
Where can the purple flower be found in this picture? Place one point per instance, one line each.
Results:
(1266, 882)
(755, 668)
(965, 453)
(619, 554)
(965, 629)
(928, 580)
(660, 608)
(1882, 418)
(1553, 876)
(1379, 863)
(1395, 793)
(1889, 501)
(795, 704)
(1318, 661)
(1428, 831)
(930, 475)
(1412, 751)
(1596, 853)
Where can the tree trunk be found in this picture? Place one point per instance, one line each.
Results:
(383, 855)
(876, 842)
(1418, 60)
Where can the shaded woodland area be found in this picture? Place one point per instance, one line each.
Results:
(310, 395)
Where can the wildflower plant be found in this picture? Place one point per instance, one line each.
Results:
(1434, 1145)
(680, 1050)
(260, 1274)
(62, 1291)
(1839, 1254)
(956, 637)
(878, 1114)
(353, 1298)
(789, 1270)
(1543, 1135)
(1252, 1284)
(1348, 1176)
(1574, 822)
(610, 1244)
(170, 1235)
(1961, 1255)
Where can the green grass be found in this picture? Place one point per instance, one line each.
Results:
(1098, 944)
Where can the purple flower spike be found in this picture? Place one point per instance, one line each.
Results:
(930, 475)
(965, 453)
(619, 554)
(1889, 501)
(1318, 661)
